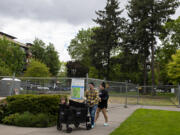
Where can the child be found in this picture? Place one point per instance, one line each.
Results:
(63, 101)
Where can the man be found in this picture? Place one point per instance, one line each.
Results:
(92, 97)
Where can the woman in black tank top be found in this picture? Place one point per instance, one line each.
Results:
(103, 100)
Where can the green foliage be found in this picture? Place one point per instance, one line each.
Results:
(76, 69)
(52, 59)
(3, 109)
(79, 46)
(12, 58)
(126, 67)
(147, 18)
(79, 49)
(93, 72)
(27, 119)
(170, 43)
(106, 36)
(150, 122)
(37, 69)
(1, 114)
(4, 69)
(174, 68)
(163, 56)
(38, 50)
(30, 110)
(47, 55)
(171, 32)
(35, 104)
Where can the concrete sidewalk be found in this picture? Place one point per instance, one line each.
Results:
(116, 113)
(1, 98)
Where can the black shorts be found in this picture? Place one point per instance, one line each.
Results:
(102, 105)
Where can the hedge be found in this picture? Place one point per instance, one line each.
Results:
(30, 110)
(3, 109)
(48, 104)
(28, 119)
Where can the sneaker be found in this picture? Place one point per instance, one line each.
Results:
(92, 126)
(106, 124)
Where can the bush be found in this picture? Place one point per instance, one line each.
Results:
(37, 69)
(3, 109)
(30, 110)
(35, 104)
(28, 119)
(1, 115)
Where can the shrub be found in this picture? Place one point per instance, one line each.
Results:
(30, 110)
(1, 115)
(37, 69)
(3, 109)
(28, 119)
(10, 119)
(35, 104)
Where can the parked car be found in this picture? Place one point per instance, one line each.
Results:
(42, 88)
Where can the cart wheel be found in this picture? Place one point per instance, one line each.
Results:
(76, 125)
(59, 127)
(88, 126)
(69, 130)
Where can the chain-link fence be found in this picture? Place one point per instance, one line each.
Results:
(165, 95)
(120, 92)
(34, 85)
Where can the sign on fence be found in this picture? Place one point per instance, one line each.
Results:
(77, 89)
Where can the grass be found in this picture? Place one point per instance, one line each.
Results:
(143, 100)
(150, 122)
(37, 92)
(113, 93)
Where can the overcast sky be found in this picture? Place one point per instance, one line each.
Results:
(55, 21)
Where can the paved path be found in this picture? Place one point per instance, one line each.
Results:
(117, 114)
(1, 98)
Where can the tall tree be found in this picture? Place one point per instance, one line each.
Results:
(107, 36)
(37, 69)
(79, 46)
(47, 55)
(79, 49)
(4, 69)
(12, 56)
(174, 68)
(160, 11)
(170, 39)
(76, 69)
(52, 59)
(147, 18)
(38, 49)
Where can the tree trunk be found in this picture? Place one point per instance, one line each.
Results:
(145, 76)
(152, 53)
(108, 70)
(108, 66)
(152, 68)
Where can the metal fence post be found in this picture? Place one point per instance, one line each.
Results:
(86, 81)
(138, 95)
(125, 106)
(26, 92)
(178, 96)
(12, 85)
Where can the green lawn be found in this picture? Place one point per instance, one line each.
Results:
(150, 122)
(144, 100)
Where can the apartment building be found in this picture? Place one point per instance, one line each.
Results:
(24, 47)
